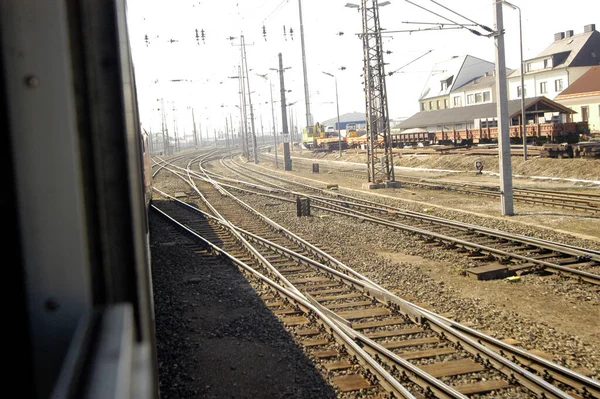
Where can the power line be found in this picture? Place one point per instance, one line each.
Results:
(405, 65)
(462, 16)
(475, 32)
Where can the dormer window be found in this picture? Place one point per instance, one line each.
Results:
(548, 63)
(444, 84)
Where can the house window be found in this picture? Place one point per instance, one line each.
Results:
(547, 63)
(445, 103)
(457, 102)
(478, 97)
(519, 91)
(430, 104)
(469, 99)
(543, 89)
(486, 97)
(529, 65)
(585, 113)
(558, 85)
(444, 85)
(437, 104)
(422, 106)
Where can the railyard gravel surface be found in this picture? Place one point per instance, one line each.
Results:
(553, 315)
(216, 338)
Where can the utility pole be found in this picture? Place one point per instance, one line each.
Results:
(162, 123)
(291, 127)
(506, 189)
(287, 161)
(195, 134)
(200, 131)
(245, 62)
(274, 124)
(244, 122)
(523, 118)
(175, 130)
(380, 168)
(273, 116)
(150, 141)
(309, 121)
(165, 126)
(262, 130)
(227, 135)
(337, 104)
(232, 131)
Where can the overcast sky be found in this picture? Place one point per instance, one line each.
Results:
(207, 66)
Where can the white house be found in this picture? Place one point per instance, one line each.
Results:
(448, 75)
(480, 90)
(558, 66)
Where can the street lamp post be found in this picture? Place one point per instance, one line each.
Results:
(337, 104)
(273, 116)
(523, 119)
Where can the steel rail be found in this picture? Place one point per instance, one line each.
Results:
(582, 383)
(570, 200)
(384, 378)
(527, 379)
(582, 253)
(451, 241)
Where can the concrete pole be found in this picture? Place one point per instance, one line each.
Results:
(195, 134)
(162, 106)
(254, 146)
(227, 134)
(337, 105)
(162, 120)
(200, 132)
(243, 120)
(306, 92)
(274, 124)
(232, 131)
(291, 127)
(287, 161)
(523, 118)
(506, 188)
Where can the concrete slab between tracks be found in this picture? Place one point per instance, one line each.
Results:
(387, 184)
(490, 272)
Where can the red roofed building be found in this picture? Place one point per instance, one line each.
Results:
(583, 96)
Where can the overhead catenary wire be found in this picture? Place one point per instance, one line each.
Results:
(462, 16)
(407, 64)
(475, 32)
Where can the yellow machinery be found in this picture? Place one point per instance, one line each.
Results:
(310, 134)
(317, 138)
(351, 130)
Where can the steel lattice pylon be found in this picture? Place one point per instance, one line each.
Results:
(381, 165)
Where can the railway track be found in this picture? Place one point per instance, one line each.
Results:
(347, 322)
(583, 202)
(512, 253)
